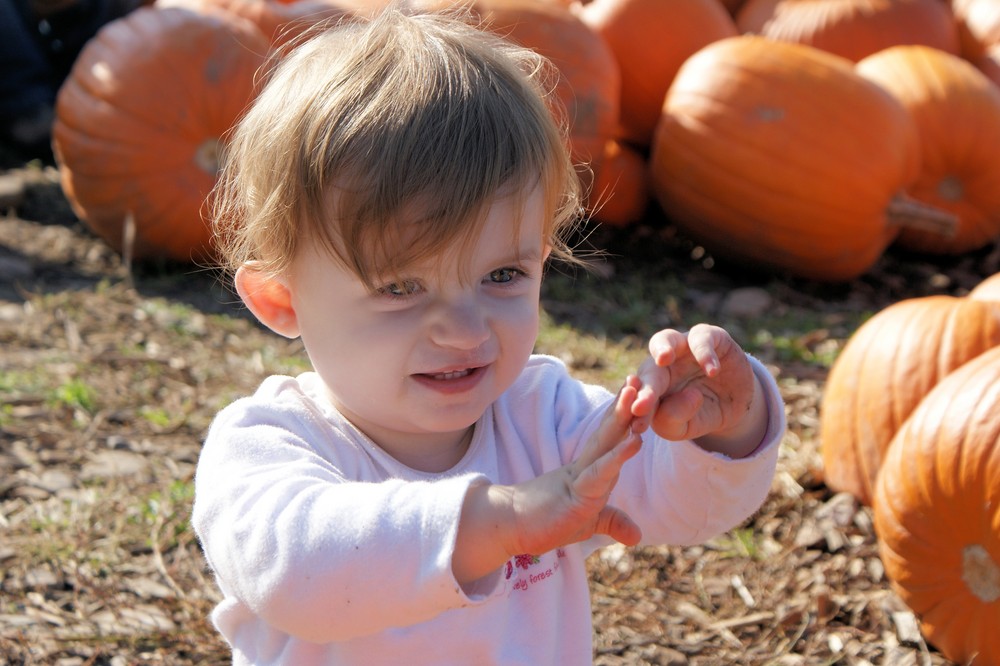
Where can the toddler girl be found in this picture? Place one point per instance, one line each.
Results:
(430, 491)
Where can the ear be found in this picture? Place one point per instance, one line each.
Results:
(269, 299)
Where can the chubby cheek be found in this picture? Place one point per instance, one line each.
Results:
(346, 355)
(518, 331)
(359, 376)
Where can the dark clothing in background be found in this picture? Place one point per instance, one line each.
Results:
(39, 41)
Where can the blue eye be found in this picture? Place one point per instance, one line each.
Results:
(505, 275)
(400, 289)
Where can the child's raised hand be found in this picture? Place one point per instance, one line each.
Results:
(561, 507)
(700, 385)
(570, 504)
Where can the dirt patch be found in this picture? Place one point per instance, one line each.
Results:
(108, 380)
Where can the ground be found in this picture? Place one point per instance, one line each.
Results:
(109, 377)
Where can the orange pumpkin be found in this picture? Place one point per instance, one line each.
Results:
(281, 21)
(890, 363)
(978, 26)
(937, 512)
(636, 32)
(988, 289)
(140, 119)
(989, 63)
(752, 160)
(957, 113)
(620, 193)
(852, 28)
(589, 87)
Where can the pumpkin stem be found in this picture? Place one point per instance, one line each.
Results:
(206, 156)
(907, 212)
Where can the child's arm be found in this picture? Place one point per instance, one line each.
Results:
(698, 386)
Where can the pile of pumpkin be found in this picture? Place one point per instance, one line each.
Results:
(910, 425)
(802, 137)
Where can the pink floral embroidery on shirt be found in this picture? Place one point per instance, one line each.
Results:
(521, 562)
(525, 561)
(532, 573)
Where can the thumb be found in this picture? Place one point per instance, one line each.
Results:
(614, 426)
(618, 525)
(597, 479)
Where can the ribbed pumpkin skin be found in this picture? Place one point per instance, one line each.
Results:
(620, 194)
(957, 113)
(852, 28)
(753, 158)
(651, 39)
(886, 368)
(282, 22)
(139, 120)
(590, 82)
(937, 512)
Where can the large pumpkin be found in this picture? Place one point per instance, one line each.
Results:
(978, 26)
(285, 21)
(957, 113)
(589, 86)
(781, 155)
(281, 21)
(886, 368)
(619, 195)
(937, 512)
(852, 28)
(650, 40)
(140, 119)
(988, 289)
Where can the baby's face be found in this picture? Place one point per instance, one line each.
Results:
(415, 363)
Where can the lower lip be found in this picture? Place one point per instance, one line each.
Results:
(452, 386)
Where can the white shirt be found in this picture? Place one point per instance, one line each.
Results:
(329, 551)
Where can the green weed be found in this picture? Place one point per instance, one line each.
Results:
(75, 394)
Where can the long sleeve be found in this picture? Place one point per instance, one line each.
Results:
(683, 495)
(313, 554)
(327, 550)
(677, 492)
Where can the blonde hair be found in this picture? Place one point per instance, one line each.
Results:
(395, 113)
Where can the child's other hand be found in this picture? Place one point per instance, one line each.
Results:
(570, 504)
(700, 386)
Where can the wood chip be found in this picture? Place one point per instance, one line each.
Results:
(907, 628)
(692, 612)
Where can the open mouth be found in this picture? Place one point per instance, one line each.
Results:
(452, 381)
(454, 374)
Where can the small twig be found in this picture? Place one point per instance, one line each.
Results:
(743, 621)
(128, 247)
(806, 621)
(741, 589)
(161, 567)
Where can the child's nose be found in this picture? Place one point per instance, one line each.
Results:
(460, 324)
